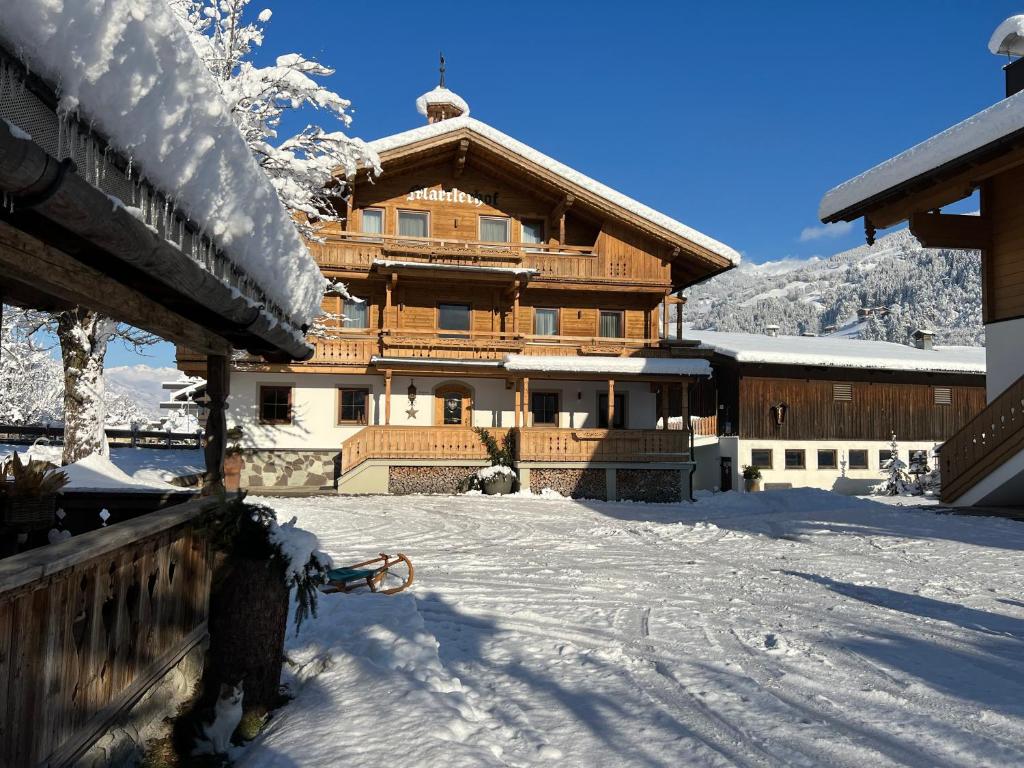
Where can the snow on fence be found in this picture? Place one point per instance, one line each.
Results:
(89, 625)
(14, 433)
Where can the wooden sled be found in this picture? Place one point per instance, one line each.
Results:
(384, 574)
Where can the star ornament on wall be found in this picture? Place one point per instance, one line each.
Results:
(411, 413)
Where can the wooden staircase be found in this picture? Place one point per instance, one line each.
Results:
(984, 444)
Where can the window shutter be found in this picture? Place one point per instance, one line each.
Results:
(943, 395)
(842, 392)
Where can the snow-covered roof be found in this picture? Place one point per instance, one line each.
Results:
(660, 366)
(518, 271)
(530, 154)
(833, 352)
(441, 95)
(131, 70)
(1009, 37)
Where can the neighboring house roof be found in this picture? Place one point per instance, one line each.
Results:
(827, 352)
(566, 174)
(636, 366)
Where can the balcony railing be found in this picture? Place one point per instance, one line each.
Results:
(984, 443)
(350, 250)
(533, 444)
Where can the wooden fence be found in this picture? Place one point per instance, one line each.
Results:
(134, 437)
(614, 445)
(87, 626)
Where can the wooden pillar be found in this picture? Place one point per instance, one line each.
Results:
(665, 388)
(386, 320)
(664, 318)
(515, 310)
(611, 403)
(679, 321)
(387, 398)
(519, 405)
(218, 371)
(526, 401)
(561, 229)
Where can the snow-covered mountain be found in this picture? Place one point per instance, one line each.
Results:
(906, 286)
(141, 384)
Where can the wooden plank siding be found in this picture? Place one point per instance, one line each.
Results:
(86, 626)
(877, 410)
(1003, 292)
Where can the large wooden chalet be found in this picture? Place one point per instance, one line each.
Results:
(497, 288)
(983, 463)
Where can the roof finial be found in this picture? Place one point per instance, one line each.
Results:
(442, 69)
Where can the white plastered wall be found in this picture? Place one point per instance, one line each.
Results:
(1004, 355)
(841, 480)
(315, 402)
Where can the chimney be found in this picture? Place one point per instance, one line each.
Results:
(771, 330)
(440, 103)
(1008, 40)
(923, 338)
(1014, 77)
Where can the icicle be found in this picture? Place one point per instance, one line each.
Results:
(131, 160)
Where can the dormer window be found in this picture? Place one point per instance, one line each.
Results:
(494, 229)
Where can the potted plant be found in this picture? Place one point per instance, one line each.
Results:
(751, 478)
(499, 478)
(31, 492)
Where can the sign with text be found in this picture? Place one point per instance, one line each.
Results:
(454, 195)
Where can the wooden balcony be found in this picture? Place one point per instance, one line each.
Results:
(534, 444)
(355, 251)
(985, 443)
(476, 345)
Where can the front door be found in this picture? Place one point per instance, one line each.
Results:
(453, 406)
(725, 482)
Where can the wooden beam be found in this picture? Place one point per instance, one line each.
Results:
(664, 319)
(460, 157)
(611, 403)
(664, 405)
(387, 398)
(218, 373)
(945, 230)
(526, 401)
(515, 309)
(519, 405)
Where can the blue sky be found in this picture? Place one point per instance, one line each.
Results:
(733, 117)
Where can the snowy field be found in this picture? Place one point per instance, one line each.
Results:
(774, 629)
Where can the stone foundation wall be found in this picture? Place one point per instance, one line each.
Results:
(405, 480)
(124, 741)
(289, 469)
(654, 485)
(577, 483)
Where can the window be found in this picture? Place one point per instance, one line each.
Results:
(276, 405)
(858, 458)
(356, 314)
(761, 458)
(544, 408)
(453, 317)
(413, 223)
(619, 420)
(795, 458)
(373, 221)
(884, 457)
(842, 393)
(827, 458)
(943, 395)
(610, 324)
(352, 406)
(545, 322)
(533, 231)
(494, 229)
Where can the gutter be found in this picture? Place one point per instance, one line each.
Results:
(379, 360)
(130, 252)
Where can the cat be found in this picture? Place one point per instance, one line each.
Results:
(217, 724)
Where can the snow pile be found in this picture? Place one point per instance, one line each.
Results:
(531, 155)
(131, 69)
(832, 352)
(440, 95)
(1009, 37)
(98, 473)
(297, 546)
(609, 365)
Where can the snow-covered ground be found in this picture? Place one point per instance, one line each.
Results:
(774, 629)
(144, 464)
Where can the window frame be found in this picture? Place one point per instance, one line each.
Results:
(849, 458)
(415, 212)
(835, 458)
(346, 325)
(383, 221)
(454, 333)
(466, 403)
(771, 458)
(557, 413)
(543, 231)
(558, 321)
(480, 228)
(881, 461)
(622, 323)
(803, 458)
(341, 404)
(290, 418)
(620, 413)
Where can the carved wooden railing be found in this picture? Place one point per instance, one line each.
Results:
(342, 350)
(390, 442)
(704, 426)
(89, 624)
(984, 443)
(475, 345)
(627, 445)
